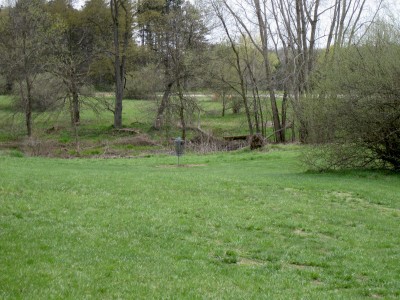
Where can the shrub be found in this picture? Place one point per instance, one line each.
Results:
(356, 105)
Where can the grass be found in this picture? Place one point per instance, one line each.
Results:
(96, 135)
(240, 225)
(138, 114)
(243, 225)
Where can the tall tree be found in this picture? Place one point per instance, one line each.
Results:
(264, 49)
(72, 54)
(178, 39)
(238, 65)
(298, 26)
(293, 30)
(186, 48)
(261, 43)
(163, 46)
(93, 17)
(24, 43)
(122, 19)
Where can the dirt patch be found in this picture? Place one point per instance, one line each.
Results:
(249, 262)
(317, 282)
(361, 202)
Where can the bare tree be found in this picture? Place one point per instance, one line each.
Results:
(187, 45)
(24, 45)
(244, 24)
(299, 28)
(293, 30)
(238, 65)
(177, 42)
(72, 54)
(263, 31)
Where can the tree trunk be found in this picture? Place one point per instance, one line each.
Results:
(284, 113)
(255, 111)
(119, 57)
(275, 117)
(239, 71)
(263, 125)
(159, 122)
(264, 41)
(223, 104)
(75, 106)
(28, 107)
(118, 99)
(28, 104)
(181, 109)
(183, 123)
(246, 105)
(255, 95)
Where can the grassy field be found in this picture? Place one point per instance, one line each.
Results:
(96, 136)
(240, 225)
(137, 113)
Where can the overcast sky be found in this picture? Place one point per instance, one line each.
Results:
(78, 3)
(393, 4)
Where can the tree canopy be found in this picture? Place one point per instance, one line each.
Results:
(324, 72)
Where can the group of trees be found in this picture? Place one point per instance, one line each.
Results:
(323, 69)
(333, 63)
(47, 49)
(52, 44)
(292, 38)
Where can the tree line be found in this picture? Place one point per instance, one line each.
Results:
(323, 71)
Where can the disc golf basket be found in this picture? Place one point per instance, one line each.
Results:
(179, 148)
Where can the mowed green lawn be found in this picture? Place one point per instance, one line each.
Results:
(225, 226)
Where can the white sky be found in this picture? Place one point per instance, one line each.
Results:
(393, 5)
(78, 3)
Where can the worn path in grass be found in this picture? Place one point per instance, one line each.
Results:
(231, 226)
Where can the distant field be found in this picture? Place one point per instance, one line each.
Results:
(55, 137)
(240, 225)
(96, 135)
